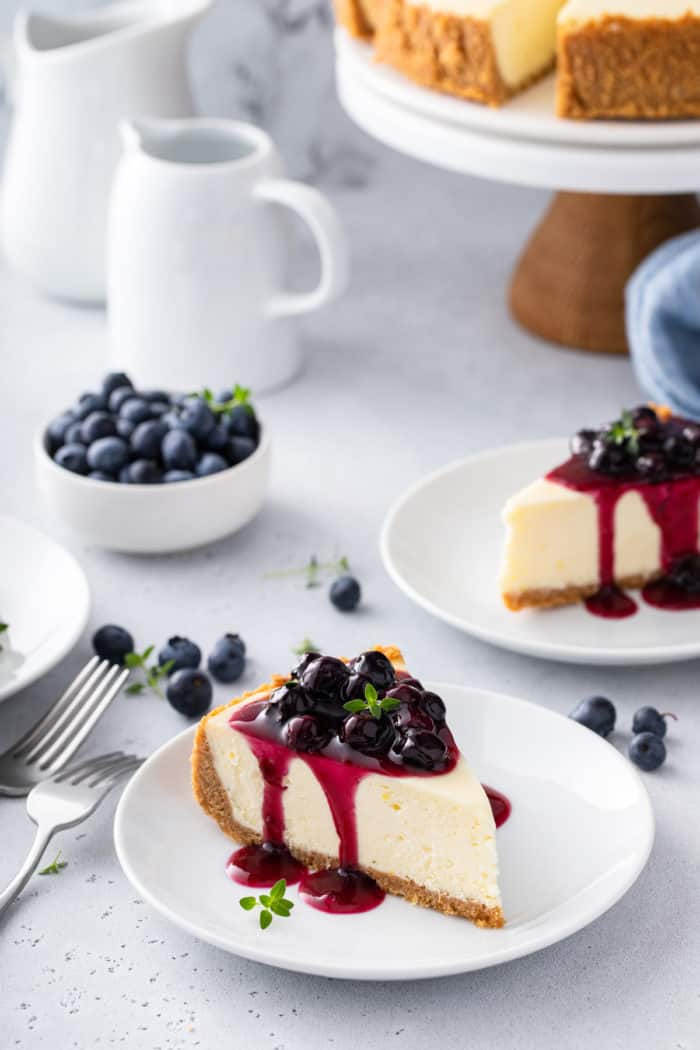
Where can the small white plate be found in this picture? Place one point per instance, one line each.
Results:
(442, 543)
(530, 115)
(44, 597)
(579, 835)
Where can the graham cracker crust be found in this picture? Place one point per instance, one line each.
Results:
(214, 801)
(629, 68)
(551, 599)
(448, 53)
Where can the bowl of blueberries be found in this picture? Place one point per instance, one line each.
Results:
(147, 471)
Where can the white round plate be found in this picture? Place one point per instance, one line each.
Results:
(531, 114)
(44, 597)
(479, 148)
(442, 543)
(579, 835)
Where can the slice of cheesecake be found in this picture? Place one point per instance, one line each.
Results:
(385, 796)
(621, 513)
(484, 50)
(629, 58)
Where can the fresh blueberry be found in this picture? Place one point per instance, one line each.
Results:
(101, 475)
(147, 437)
(113, 381)
(369, 735)
(596, 713)
(218, 439)
(159, 408)
(189, 691)
(125, 428)
(224, 396)
(345, 593)
(112, 643)
(58, 428)
(182, 651)
(240, 448)
(74, 434)
(648, 720)
(648, 751)
(210, 463)
(119, 396)
(242, 423)
(155, 395)
(124, 475)
(73, 458)
(179, 450)
(97, 425)
(88, 403)
(145, 472)
(197, 418)
(135, 409)
(108, 454)
(172, 476)
(227, 660)
(306, 733)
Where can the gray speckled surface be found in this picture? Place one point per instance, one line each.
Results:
(416, 366)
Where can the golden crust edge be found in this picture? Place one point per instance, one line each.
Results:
(552, 598)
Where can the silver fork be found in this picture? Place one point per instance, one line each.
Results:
(50, 744)
(65, 801)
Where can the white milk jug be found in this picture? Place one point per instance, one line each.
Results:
(75, 79)
(198, 257)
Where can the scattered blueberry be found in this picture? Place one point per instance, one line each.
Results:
(113, 381)
(189, 691)
(345, 593)
(145, 472)
(182, 651)
(648, 751)
(97, 425)
(112, 643)
(179, 450)
(73, 458)
(648, 720)
(596, 713)
(108, 454)
(171, 476)
(147, 437)
(227, 659)
(210, 463)
(135, 409)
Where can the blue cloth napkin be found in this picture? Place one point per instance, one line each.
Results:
(663, 324)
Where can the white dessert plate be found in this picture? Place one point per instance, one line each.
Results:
(442, 541)
(530, 115)
(579, 835)
(44, 597)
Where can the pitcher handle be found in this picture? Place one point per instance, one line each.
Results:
(328, 233)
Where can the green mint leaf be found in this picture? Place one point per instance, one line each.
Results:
(247, 903)
(305, 646)
(370, 694)
(343, 564)
(279, 889)
(55, 867)
(135, 689)
(133, 660)
(265, 919)
(264, 899)
(312, 572)
(281, 908)
(4, 627)
(354, 706)
(146, 653)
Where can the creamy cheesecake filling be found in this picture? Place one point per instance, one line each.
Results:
(439, 832)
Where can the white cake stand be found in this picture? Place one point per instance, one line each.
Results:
(622, 187)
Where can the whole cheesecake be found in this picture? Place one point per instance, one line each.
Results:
(621, 513)
(384, 797)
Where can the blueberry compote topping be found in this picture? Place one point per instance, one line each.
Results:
(659, 458)
(307, 716)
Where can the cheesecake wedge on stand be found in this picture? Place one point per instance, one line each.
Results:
(344, 776)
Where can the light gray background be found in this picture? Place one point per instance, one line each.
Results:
(419, 364)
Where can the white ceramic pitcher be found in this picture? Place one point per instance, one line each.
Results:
(74, 80)
(199, 248)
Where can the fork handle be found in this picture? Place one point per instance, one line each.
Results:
(41, 840)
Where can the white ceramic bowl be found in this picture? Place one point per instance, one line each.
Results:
(155, 519)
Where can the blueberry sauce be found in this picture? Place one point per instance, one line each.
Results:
(305, 719)
(654, 467)
(500, 805)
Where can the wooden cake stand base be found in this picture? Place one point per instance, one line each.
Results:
(570, 281)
